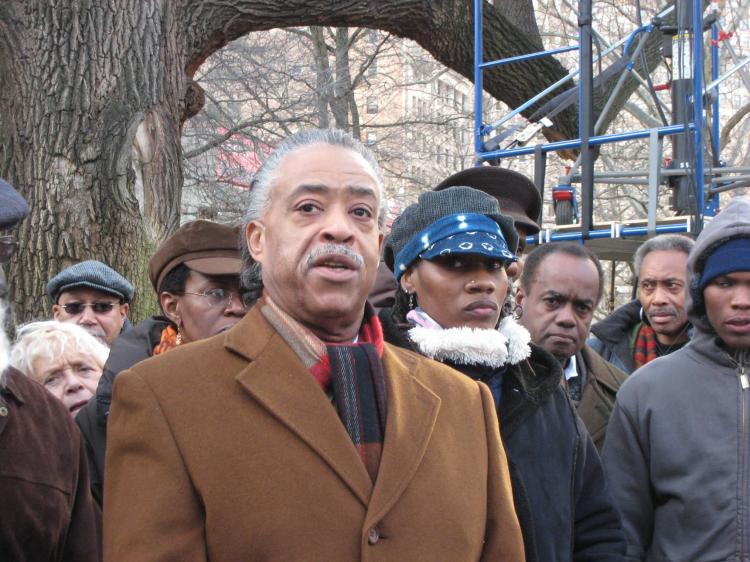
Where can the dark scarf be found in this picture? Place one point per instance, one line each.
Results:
(645, 348)
(352, 373)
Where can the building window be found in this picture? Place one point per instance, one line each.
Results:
(372, 70)
(372, 138)
(372, 104)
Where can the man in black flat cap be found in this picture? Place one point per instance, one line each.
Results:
(517, 195)
(94, 296)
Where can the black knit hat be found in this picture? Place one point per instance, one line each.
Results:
(519, 198)
(434, 205)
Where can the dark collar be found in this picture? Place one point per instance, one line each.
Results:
(11, 388)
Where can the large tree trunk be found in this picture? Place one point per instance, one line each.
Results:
(94, 94)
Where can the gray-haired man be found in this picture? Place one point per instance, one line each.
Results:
(654, 324)
(298, 434)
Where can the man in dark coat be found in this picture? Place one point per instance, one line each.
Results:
(561, 286)
(48, 513)
(656, 323)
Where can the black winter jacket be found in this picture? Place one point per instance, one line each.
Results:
(130, 348)
(612, 337)
(562, 501)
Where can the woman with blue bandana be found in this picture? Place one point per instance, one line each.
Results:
(451, 253)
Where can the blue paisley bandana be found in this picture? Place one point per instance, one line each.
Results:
(461, 233)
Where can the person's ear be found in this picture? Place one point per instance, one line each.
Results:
(519, 296)
(513, 270)
(124, 309)
(170, 305)
(56, 308)
(407, 281)
(255, 238)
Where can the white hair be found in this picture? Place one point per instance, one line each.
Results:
(51, 340)
(259, 198)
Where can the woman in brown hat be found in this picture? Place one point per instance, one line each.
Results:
(196, 275)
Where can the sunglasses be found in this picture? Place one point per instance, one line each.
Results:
(76, 308)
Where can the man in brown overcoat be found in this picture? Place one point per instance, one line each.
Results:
(298, 434)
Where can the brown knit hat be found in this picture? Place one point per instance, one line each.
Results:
(203, 246)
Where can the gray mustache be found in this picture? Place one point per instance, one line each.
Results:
(662, 310)
(334, 250)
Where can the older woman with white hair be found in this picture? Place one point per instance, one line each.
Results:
(62, 357)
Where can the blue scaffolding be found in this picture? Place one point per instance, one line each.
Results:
(689, 133)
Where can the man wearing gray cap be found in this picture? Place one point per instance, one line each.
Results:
(94, 296)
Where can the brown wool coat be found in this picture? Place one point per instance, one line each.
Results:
(227, 450)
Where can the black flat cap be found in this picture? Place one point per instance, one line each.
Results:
(13, 207)
(517, 195)
(90, 274)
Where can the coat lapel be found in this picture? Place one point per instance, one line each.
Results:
(278, 380)
(412, 412)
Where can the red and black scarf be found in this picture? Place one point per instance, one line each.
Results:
(351, 373)
(645, 348)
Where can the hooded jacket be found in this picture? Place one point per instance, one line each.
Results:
(561, 497)
(678, 444)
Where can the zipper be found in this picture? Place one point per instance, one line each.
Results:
(744, 491)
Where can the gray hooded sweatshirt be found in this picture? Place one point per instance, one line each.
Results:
(677, 451)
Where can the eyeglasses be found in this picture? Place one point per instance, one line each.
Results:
(7, 248)
(218, 297)
(76, 308)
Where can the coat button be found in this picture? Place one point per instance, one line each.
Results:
(373, 535)
(3, 411)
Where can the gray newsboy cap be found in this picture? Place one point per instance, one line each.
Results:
(90, 274)
(434, 205)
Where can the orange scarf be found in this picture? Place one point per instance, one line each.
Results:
(168, 340)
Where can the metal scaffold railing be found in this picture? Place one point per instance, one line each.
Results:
(695, 184)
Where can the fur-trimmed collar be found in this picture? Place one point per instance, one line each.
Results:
(508, 344)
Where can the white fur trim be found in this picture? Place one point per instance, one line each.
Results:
(474, 346)
(519, 340)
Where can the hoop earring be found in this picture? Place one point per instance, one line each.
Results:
(517, 312)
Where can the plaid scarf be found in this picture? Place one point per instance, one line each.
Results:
(351, 373)
(168, 340)
(645, 348)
